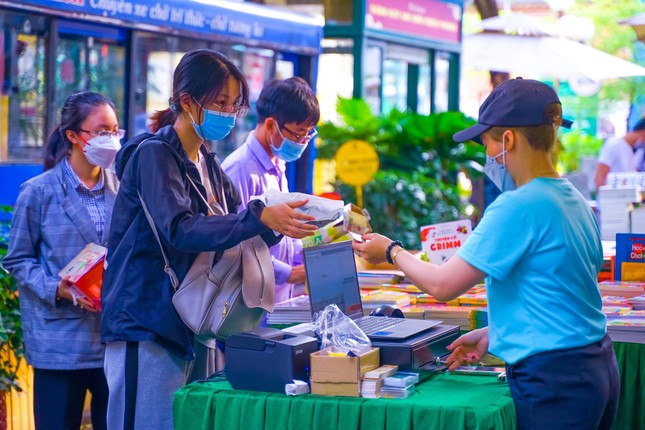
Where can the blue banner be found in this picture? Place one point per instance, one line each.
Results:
(243, 21)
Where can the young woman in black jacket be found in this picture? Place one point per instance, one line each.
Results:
(148, 348)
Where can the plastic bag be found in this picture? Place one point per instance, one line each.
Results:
(339, 333)
(323, 209)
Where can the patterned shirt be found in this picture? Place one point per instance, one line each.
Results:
(93, 200)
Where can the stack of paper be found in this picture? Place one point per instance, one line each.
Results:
(637, 302)
(614, 215)
(379, 298)
(373, 380)
(621, 288)
(371, 279)
(451, 315)
(294, 310)
(625, 179)
(615, 301)
(637, 217)
(626, 330)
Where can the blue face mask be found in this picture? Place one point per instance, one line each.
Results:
(216, 125)
(498, 173)
(288, 150)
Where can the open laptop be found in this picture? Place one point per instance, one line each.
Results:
(332, 278)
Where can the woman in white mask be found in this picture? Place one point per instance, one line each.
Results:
(56, 215)
(538, 249)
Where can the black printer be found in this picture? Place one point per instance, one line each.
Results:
(265, 359)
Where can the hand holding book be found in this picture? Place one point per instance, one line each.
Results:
(67, 291)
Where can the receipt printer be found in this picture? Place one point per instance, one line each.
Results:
(265, 359)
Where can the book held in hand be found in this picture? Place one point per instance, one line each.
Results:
(441, 241)
(85, 272)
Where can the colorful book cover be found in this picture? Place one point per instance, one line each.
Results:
(441, 241)
(630, 257)
(85, 272)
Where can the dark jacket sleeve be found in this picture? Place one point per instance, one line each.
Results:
(164, 190)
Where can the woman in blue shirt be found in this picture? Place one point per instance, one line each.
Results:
(538, 249)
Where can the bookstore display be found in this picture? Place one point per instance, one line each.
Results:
(379, 374)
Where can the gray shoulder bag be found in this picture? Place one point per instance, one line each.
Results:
(220, 297)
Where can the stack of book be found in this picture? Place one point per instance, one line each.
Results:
(374, 279)
(637, 302)
(621, 288)
(399, 386)
(608, 253)
(377, 298)
(294, 310)
(614, 215)
(637, 217)
(479, 318)
(623, 329)
(373, 380)
(451, 315)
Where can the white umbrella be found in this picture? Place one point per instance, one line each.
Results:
(519, 23)
(543, 57)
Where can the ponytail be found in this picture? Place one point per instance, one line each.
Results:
(57, 148)
(162, 118)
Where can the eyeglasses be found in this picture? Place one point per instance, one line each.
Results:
(228, 110)
(105, 133)
(299, 137)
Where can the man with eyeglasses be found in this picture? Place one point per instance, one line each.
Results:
(287, 112)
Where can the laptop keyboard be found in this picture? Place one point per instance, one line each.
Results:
(371, 325)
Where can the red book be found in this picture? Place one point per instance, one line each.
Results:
(85, 272)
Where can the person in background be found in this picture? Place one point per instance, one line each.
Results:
(538, 249)
(287, 112)
(149, 350)
(618, 154)
(56, 215)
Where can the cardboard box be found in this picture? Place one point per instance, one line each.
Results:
(345, 389)
(85, 272)
(340, 376)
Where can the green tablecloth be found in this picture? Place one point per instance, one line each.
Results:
(631, 365)
(443, 402)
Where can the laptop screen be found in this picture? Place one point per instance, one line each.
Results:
(332, 278)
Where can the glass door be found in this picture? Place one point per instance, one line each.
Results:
(90, 58)
(24, 40)
(155, 59)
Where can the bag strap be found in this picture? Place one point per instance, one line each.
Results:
(174, 281)
(166, 268)
(210, 210)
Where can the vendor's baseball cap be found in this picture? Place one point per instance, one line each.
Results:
(514, 103)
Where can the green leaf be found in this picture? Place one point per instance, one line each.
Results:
(419, 162)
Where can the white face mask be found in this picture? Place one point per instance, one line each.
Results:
(498, 173)
(101, 151)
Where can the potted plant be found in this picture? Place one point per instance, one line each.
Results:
(11, 340)
(419, 165)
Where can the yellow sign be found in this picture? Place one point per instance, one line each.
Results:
(356, 162)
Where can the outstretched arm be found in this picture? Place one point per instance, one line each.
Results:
(445, 282)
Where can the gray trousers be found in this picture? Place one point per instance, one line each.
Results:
(142, 378)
